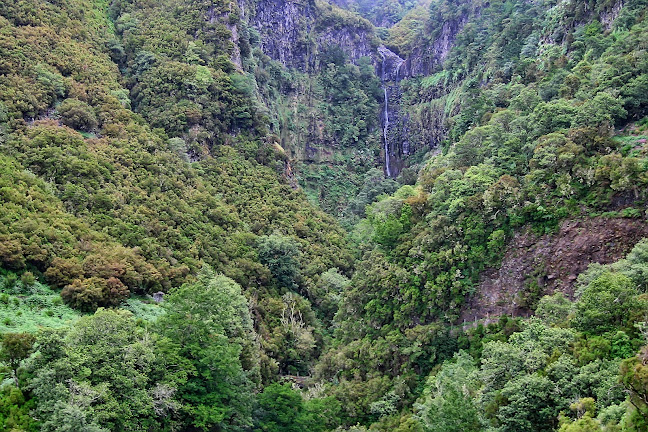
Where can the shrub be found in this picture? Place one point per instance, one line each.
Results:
(28, 279)
(89, 294)
(77, 115)
(63, 271)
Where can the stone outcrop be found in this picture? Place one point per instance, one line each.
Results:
(393, 123)
(294, 32)
(427, 56)
(551, 263)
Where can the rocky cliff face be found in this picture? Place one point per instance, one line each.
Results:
(395, 140)
(427, 56)
(403, 136)
(295, 32)
(323, 112)
(534, 266)
(284, 27)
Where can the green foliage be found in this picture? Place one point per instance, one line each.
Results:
(292, 334)
(280, 254)
(15, 348)
(351, 101)
(329, 291)
(143, 308)
(583, 424)
(200, 97)
(634, 379)
(279, 408)
(374, 186)
(15, 409)
(28, 308)
(282, 409)
(530, 405)
(105, 373)
(527, 382)
(210, 322)
(89, 294)
(528, 106)
(122, 209)
(169, 168)
(134, 151)
(554, 310)
(635, 266)
(381, 12)
(327, 122)
(607, 302)
(576, 347)
(449, 398)
(77, 115)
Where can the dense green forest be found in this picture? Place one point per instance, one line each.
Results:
(198, 231)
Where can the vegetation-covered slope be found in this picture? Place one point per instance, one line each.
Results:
(149, 152)
(100, 197)
(531, 140)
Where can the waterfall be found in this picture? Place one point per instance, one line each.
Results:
(385, 130)
(393, 75)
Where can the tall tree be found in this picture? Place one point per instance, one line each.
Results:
(449, 405)
(106, 373)
(15, 348)
(210, 321)
(281, 254)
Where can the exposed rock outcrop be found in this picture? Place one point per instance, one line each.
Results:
(609, 16)
(429, 55)
(395, 144)
(294, 32)
(550, 263)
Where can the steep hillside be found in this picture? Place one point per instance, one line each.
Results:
(533, 266)
(323, 216)
(525, 102)
(382, 13)
(466, 59)
(128, 164)
(314, 66)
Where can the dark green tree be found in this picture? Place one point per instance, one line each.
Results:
(282, 409)
(211, 323)
(281, 255)
(16, 347)
(608, 302)
(449, 398)
(106, 373)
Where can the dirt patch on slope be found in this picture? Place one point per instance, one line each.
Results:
(538, 265)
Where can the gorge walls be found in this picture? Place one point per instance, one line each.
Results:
(395, 144)
(301, 35)
(295, 32)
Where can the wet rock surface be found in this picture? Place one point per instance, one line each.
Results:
(295, 32)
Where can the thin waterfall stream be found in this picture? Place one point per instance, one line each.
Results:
(385, 131)
(388, 76)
